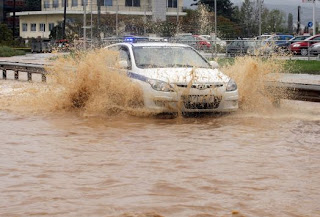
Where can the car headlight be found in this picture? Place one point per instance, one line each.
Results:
(296, 45)
(160, 85)
(231, 86)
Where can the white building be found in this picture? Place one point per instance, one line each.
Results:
(40, 23)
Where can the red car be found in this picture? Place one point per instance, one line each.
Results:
(202, 43)
(302, 46)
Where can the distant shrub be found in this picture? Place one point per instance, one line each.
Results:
(8, 52)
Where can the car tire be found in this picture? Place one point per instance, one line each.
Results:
(304, 52)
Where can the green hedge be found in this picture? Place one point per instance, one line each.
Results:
(8, 52)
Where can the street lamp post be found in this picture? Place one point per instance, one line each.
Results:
(215, 27)
(259, 2)
(314, 18)
(84, 24)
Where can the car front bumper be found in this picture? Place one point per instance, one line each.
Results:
(192, 100)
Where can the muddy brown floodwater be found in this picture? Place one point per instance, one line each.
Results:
(107, 158)
(247, 163)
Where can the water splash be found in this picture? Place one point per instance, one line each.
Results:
(90, 83)
(251, 74)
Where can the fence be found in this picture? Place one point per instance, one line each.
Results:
(231, 48)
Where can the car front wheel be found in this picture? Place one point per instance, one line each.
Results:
(304, 52)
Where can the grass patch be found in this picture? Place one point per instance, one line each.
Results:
(303, 66)
(25, 49)
(8, 52)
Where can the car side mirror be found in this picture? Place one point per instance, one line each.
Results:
(214, 64)
(123, 64)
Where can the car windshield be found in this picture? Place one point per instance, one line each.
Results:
(309, 39)
(168, 57)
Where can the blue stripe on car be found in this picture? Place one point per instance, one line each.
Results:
(137, 76)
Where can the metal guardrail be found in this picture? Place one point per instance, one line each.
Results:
(23, 67)
(298, 91)
(304, 92)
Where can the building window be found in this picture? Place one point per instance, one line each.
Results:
(46, 4)
(33, 27)
(55, 3)
(74, 3)
(42, 27)
(133, 3)
(51, 26)
(107, 3)
(172, 3)
(24, 27)
(84, 2)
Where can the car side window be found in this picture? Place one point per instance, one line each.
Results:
(125, 55)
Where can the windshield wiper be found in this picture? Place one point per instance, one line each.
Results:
(180, 65)
(146, 66)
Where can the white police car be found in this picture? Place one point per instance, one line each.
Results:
(175, 77)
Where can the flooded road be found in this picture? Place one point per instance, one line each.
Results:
(247, 163)
(83, 147)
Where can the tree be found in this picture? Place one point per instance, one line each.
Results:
(276, 19)
(56, 33)
(5, 34)
(248, 19)
(224, 7)
(290, 23)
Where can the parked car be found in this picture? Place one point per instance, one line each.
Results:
(270, 45)
(263, 37)
(185, 38)
(164, 72)
(215, 40)
(315, 49)
(202, 43)
(302, 47)
(285, 45)
(241, 47)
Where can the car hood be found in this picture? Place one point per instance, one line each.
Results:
(185, 75)
(300, 42)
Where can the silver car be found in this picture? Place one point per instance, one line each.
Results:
(315, 49)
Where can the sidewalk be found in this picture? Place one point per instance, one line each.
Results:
(300, 78)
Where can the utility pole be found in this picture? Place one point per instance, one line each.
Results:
(259, 2)
(84, 24)
(91, 33)
(298, 24)
(117, 28)
(314, 18)
(98, 20)
(215, 27)
(178, 13)
(64, 20)
(14, 20)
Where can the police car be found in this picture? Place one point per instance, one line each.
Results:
(175, 77)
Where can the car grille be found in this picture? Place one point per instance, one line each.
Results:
(201, 101)
(201, 86)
